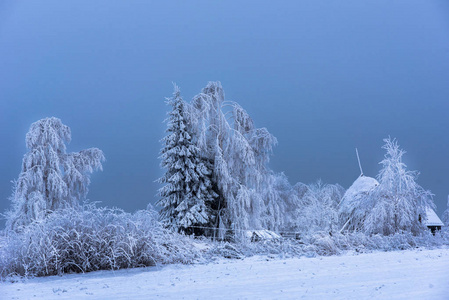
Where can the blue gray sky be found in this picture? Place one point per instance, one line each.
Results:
(324, 77)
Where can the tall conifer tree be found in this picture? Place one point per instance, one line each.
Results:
(188, 195)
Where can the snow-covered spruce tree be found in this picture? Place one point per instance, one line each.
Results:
(187, 197)
(50, 178)
(399, 203)
(239, 152)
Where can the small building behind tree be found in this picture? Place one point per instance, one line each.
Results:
(432, 221)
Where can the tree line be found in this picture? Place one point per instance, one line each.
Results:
(217, 179)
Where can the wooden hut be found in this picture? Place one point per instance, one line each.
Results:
(432, 221)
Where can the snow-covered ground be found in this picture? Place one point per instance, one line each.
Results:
(417, 274)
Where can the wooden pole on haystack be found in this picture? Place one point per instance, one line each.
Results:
(358, 159)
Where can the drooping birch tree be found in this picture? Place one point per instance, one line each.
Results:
(239, 152)
(399, 202)
(50, 179)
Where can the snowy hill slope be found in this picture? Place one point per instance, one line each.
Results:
(416, 274)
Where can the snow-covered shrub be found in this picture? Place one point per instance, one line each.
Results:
(50, 179)
(429, 240)
(90, 239)
(361, 242)
(272, 248)
(226, 250)
(324, 243)
(317, 209)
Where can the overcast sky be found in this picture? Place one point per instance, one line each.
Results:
(324, 77)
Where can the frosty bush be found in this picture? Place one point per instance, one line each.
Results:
(90, 239)
(106, 239)
(316, 208)
(321, 243)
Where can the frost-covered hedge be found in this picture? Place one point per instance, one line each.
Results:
(324, 244)
(92, 239)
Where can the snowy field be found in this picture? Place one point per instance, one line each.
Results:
(417, 274)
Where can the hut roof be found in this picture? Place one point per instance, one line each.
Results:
(432, 218)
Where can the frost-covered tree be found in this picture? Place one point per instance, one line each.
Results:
(281, 202)
(239, 152)
(446, 214)
(187, 198)
(317, 208)
(50, 179)
(399, 202)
